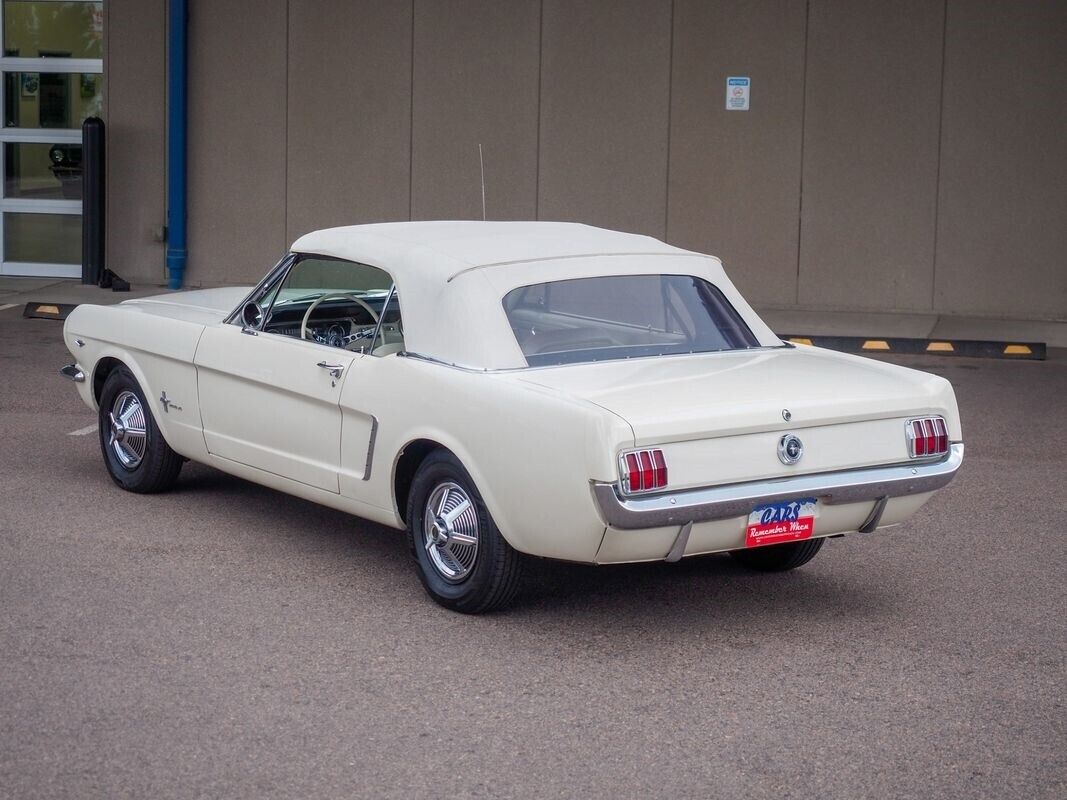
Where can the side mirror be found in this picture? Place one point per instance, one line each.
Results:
(252, 314)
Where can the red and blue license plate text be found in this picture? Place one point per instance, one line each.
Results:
(776, 523)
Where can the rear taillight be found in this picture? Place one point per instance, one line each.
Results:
(643, 471)
(927, 437)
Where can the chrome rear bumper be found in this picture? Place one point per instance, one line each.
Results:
(738, 499)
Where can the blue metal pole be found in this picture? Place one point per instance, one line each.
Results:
(177, 118)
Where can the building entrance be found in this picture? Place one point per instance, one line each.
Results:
(52, 80)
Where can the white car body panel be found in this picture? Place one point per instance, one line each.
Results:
(536, 441)
(239, 374)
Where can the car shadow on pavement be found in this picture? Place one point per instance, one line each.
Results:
(714, 587)
(698, 591)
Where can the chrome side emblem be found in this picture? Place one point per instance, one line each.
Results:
(790, 449)
(786, 414)
(168, 404)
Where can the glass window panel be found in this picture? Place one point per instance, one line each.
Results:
(41, 171)
(623, 316)
(333, 275)
(53, 29)
(51, 99)
(43, 238)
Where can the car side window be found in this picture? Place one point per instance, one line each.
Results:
(333, 302)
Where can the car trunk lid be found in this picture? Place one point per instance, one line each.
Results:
(720, 416)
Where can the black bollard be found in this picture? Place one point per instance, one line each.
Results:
(93, 199)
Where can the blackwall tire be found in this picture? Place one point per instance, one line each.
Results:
(778, 557)
(463, 561)
(137, 456)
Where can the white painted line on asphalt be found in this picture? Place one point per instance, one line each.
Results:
(6, 306)
(83, 431)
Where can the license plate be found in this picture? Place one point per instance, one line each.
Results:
(775, 523)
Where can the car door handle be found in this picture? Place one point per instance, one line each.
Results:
(334, 369)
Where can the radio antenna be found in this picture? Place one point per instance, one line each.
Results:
(481, 165)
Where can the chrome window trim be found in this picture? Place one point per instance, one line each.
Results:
(282, 267)
(577, 364)
(381, 318)
(738, 499)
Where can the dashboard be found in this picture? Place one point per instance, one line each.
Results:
(337, 323)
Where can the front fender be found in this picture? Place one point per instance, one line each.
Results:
(161, 361)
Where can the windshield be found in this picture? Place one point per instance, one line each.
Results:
(622, 316)
(290, 296)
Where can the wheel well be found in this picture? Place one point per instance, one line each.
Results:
(103, 368)
(413, 454)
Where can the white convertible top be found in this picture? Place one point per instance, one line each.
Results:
(451, 276)
(444, 249)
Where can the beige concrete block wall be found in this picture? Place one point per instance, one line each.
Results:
(605, 108)
(237, 142)
(897, 156)
(348, 130)
(471, 88)
(869, 185)
(135, 92)
(735, 175)
(1002, 211)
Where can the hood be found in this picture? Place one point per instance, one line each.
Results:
(204, 306)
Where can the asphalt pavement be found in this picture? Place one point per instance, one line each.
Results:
(224, 640)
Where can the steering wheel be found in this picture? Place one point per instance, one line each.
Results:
(333, 296)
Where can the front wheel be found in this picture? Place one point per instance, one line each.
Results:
(137, 456)
(462, 559)
(778, 557)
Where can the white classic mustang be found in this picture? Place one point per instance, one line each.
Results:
(511, 388)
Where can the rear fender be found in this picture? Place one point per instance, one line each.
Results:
(520, 449)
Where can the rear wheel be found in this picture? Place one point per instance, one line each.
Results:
(137, 457)
(778, 557)
(462, 559)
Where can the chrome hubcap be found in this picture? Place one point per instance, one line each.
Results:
(127, 436)
(450, 531)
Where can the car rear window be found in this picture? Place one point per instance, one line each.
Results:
(622, 316)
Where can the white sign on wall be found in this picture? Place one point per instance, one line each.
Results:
(737, 93)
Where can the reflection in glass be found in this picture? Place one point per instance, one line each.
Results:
(53, 29)
(43, 238)
(51, 99)
(41, 171)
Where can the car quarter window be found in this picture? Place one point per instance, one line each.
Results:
(333, 302)
(622, 316)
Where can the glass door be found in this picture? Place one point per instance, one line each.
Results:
(51, 80)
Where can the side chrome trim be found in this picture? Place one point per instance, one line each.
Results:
(370, 447)
(73, 372)
(738, 499)
(432, 360)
